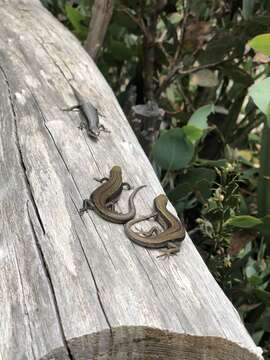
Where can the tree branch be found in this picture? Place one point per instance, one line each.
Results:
(102, 11)
(137, 20)
(149, 31)
(178, 70)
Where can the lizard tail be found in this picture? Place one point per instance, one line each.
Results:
(121, 218)
(128, 225)
(131, 205)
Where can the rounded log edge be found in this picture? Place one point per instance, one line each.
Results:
(138, 342)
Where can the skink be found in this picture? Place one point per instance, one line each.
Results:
(91, 116)
(103, 199)
(154, 238)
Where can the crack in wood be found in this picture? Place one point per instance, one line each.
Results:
(95, 283)
(31, 196)
(50, 284)
(144, 269)
(26, 312)
(27, 182)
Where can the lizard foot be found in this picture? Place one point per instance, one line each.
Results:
(102, 180)
(102, 128)
(87, 205)
(126, 186)
(172, 250)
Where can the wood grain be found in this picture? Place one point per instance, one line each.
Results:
(75, 287)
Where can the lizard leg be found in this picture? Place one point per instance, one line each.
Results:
(154, 230)
(102, 180)
(149, 232)
(72, 108)
(111, 204)
(172, 249)
(87, 205)
(102, 128)
(82, 125)
(126, 186)
(93, 134)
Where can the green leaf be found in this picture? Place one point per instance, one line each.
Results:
(175, 18)
(180, 207)
(199, 118)
(260, 94)
(220, 46)
(237, 74)
(244, 221)
(119, 50)
(173, 151)
(199, 180)
(123, 20)
(185, 204)
(266, 323)
(192, 133)
(212, 163)
(263, 295)
(264, 227)
(255, 280)
(180, 191)
(250, 271)
(257, 336)
(261, 43)
(198, 7)
(268, 113)
(77, 21)
(262, 20)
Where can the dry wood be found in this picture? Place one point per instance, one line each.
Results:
(102, 11)
(77, 288)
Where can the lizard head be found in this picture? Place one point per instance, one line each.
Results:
(116, 170)
(161, 201)
(94, 134)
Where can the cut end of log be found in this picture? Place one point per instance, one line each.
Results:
(148, 343)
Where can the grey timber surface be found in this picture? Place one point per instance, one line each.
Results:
(75, 287)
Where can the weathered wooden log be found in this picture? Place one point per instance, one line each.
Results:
(75, 287)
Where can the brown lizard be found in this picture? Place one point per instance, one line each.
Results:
(154, 238)
(103, 199)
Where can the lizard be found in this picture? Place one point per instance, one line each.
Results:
(173, 230)
(91, 115)
(103, 199)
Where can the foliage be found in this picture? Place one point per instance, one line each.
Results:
(206, 65)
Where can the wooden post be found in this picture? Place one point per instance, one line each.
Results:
(75, 287)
